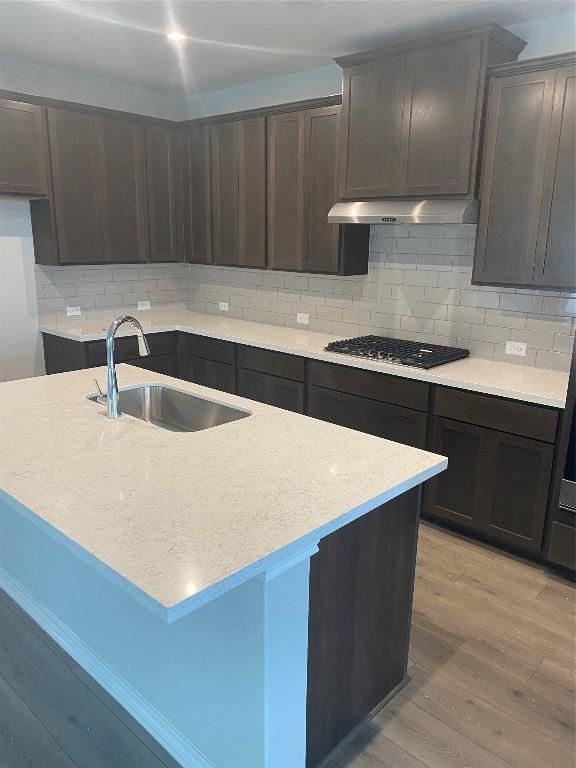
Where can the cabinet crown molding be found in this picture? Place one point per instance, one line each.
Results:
(409, 43)
(532, 65)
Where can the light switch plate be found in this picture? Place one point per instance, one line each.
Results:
(70, 311)
(517, 348)
(143, 305)
(302, 318)
(223, 306)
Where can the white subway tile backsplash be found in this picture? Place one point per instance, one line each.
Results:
(520, 303)
(418, 286)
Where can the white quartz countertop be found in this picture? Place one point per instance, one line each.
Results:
(519, 382)
(178, 518)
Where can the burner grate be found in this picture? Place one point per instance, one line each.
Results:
(388, 350)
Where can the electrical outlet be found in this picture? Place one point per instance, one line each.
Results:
(516, 348)
(143, 305)
(73, 311)
(302, 318)
(223, 306)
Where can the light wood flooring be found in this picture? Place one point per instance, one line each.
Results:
(492, 667)
(492, 679)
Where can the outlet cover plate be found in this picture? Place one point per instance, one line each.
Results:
(223, 306)
(70, 311)
(143, 306)
(517, 348)
(302, 318)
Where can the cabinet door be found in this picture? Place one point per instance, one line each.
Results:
(122, 202)
(516, 491)
(322, 136)
(287, 214)
(272, 390)
(371, 144)
(22, 149)
(209, 373)
(251, 139)
(197, 199)
(457, 493)
(403, 425)
(517, 135)
(225, 188)
(164, 182)
(555, 264)
(76, 174)
(440, 118)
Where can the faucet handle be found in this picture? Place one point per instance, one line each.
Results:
(102, 398)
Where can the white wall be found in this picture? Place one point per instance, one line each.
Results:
(548, 36)
(20, 343)
(40, 80)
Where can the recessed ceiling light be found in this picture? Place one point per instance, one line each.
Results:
(176, 37)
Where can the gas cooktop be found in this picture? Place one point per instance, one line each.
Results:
(387, 350)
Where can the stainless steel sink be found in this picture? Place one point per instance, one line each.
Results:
(174, 410)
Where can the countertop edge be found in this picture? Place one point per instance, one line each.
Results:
(292, 552)
(328, 357)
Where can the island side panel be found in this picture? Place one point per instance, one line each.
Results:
(361, 586)
(197, 684)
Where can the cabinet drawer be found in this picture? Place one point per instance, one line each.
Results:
(126, 348)
(376, 386)
(274, 363)
(210, 349)
(513, 417)
(167, 364)
(272, 390)
(392, 422)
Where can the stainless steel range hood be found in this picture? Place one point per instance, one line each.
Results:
(436, 211)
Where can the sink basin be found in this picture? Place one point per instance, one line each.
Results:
(175, 410)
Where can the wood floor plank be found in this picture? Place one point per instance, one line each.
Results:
(504, 652)
(480, 721)
(97, 689)
(556, 682)
(371, 749)
(531, 629)
(24, 742)
(65, 706)
(429, 740)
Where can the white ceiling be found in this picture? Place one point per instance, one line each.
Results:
(230, 41)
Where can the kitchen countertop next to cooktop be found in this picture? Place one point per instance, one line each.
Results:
(518, 382)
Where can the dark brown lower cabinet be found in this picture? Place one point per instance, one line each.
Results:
(167, 364)
(208, 373)
(496, 484)
(361, 583)
(403, 425)
(272, 390)
(209, 362)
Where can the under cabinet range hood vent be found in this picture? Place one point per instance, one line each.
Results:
(405, 212)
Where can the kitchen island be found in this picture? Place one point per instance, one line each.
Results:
(243, 591)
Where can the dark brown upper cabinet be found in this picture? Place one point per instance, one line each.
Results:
(526, 233)
(302, 187)
(164, 183)
(98, 212)
(23, 149)
(412, 114)
(123, 209)
(197, 202)
(238, 176)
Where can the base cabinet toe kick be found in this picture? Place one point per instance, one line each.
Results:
(274, 673)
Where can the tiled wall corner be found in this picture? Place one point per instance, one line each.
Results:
(418, 287)
(103, 292)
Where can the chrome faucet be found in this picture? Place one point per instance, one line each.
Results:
(143, 349)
